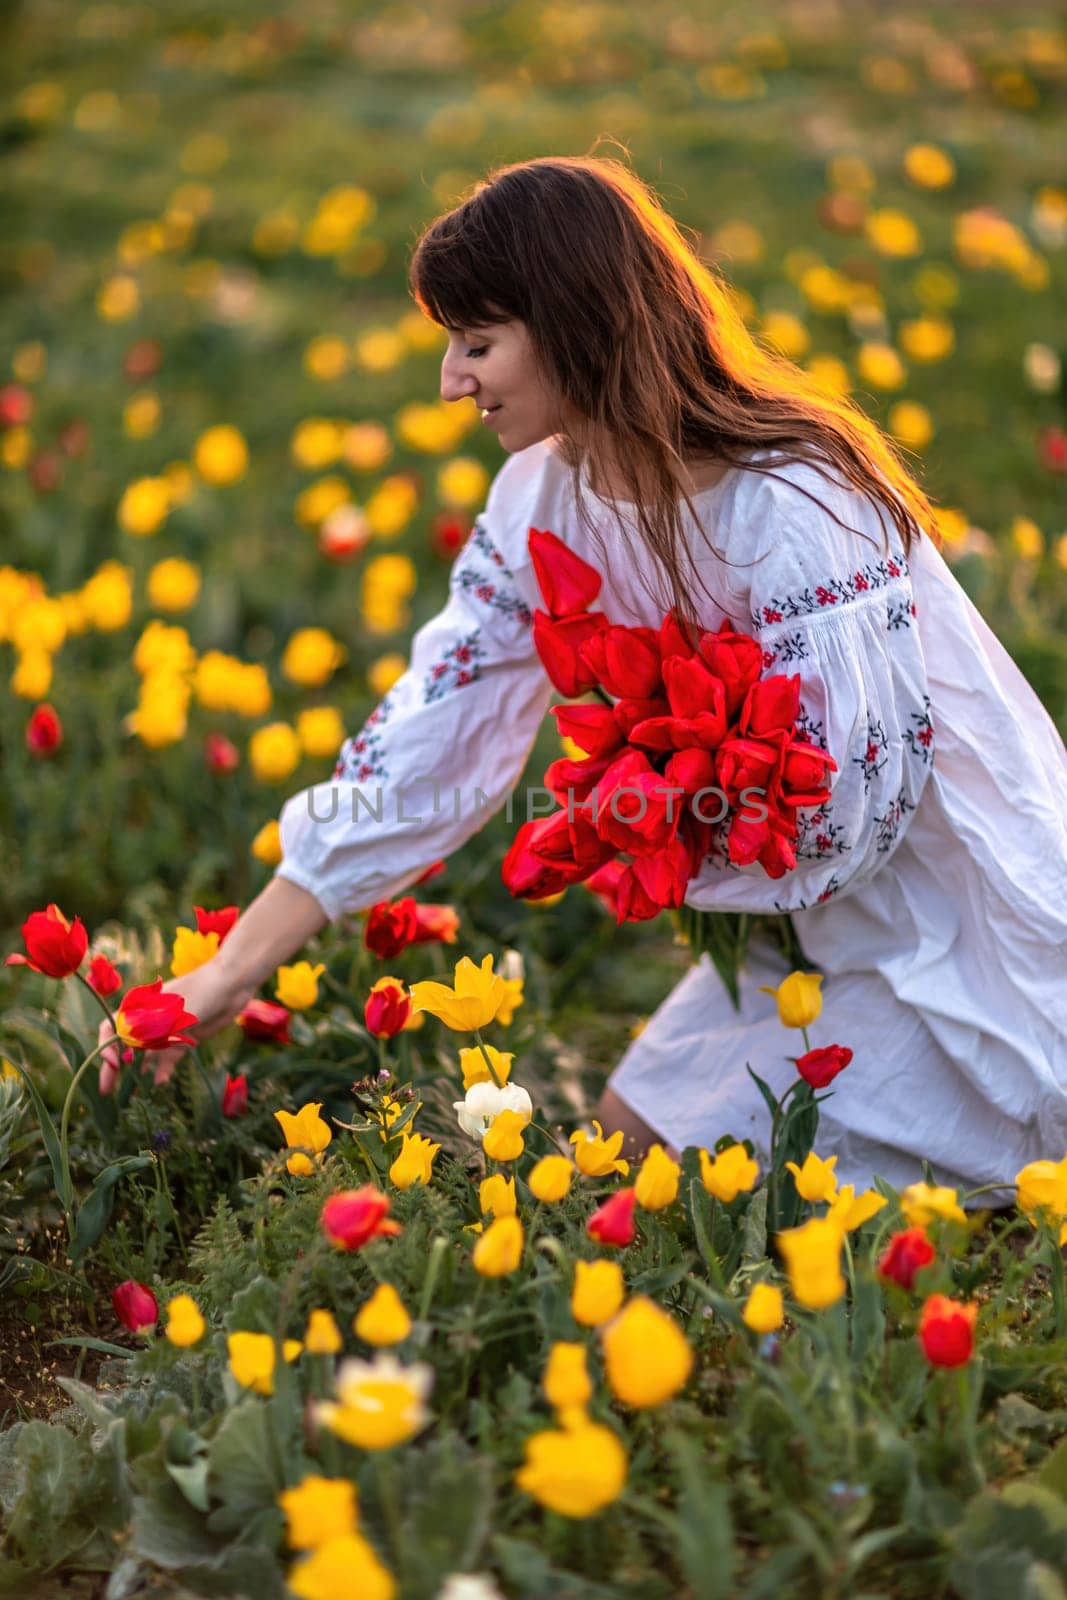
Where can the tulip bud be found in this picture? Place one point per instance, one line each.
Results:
(613, 1223)
(235, 1096)
(135, 1306)
(387, 1009)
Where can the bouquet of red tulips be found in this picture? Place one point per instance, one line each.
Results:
(689, 752)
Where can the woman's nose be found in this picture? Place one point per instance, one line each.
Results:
(456, 383)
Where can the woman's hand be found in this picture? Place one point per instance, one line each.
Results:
(211, 993)
(280, 920)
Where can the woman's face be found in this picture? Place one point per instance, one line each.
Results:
(495, 365)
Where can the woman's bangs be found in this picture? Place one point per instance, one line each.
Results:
(448, 279)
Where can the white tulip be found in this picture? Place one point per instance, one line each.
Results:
(484, 1101)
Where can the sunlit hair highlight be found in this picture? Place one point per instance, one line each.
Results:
(646, 349)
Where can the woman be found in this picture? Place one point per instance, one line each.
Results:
(647, 430)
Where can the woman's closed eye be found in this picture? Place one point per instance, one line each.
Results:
(480, 351)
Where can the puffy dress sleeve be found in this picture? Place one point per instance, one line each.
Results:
(439, 754)
(838, 610)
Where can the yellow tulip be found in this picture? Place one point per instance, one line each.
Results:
(646, 1355)
(251, 1357)
(576, 1470)
(384, 1319)
(274, 752)
(221, 455)
(503, 1138)
(317, 1510)
(798, 997)
(144, 506)
(471, 1003)
(597, 1156)
(499, 1250)
(550, 1179)
(732, 1172)
(267, 844)
(598, 1292)
(322, 1336)
(815, 1180)
(813, 1261)
(1042, 1187)
(851, 1210)
(496, 1195)
(190, 950)
(311, 657)
(379, 1403)
(344, 1568)
(415, 1162)
(304, 1131)
(321, 731)
(657, 1180)
(510, 1001)
(297, 986)
(185, 1325)
(764, 1311)
(922, 1202)
(566, 1378)
(475, 1068)
(32, 677)
(929, 166)
(173, 585)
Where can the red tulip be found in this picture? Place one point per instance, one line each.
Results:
(391, 926)
(235, 1096)
(675, 638)
(1052, 449)
(135, 1306)
(736, 659)
(559, 643)
(577, 779)
(265, 1020)
(626, 661)
(594, 729)
(221, 755)
(355, 1216)
(151, 1019)
(103, 977)
(142, 360)
(525, 874)
(387, 1009)
(946, 1331)
(907, 1251)
(219, 922)
(633, 903)
(820, 1067)
(614, 1222)
(54, 946)
(567, 583)
(16, 406)
(44, 731)
(771, 706)
(435, 924)
(448, 534)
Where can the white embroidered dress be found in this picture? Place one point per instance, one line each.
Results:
(930, 890)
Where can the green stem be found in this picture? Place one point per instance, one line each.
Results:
(97, 997)
(67, 1197)
(487, 1059)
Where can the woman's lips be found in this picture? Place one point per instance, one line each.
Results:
(489, 412)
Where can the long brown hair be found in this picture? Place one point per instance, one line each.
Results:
(646, 348)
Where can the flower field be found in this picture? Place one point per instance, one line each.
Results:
(356, 1301)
